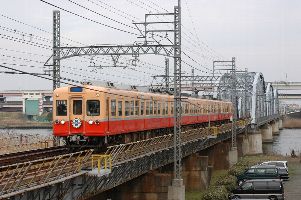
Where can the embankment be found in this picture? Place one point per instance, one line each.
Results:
(18, 120)
(292, 120)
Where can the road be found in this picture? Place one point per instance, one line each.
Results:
(292, 187)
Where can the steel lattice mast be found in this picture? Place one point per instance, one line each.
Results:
(56, 49)
(177, 91)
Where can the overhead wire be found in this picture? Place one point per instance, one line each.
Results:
(89, 19)
(134, 3)
(97, 13)
(37, 28)
(20, 40)
(124, 14)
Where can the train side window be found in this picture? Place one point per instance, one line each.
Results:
(132, 107)
(155, 107)
(171, 108)
(113, 108)
(119, 108)
(77, 107)
(159, 108)
(147, 108)
(93, 107)
(61, 108)
(166, 108)
(127, 108)
(142, 108)
(137, 107)
(151, 109)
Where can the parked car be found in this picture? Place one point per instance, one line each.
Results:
(259, 189)
(282, 167)
(259, 172)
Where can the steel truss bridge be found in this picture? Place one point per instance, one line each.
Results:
(73, 176)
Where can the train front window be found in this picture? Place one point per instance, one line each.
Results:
(61, 108)
(93, 108)
(77, 107)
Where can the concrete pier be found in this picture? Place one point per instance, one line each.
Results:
(196, 175)
(267, 133)
(275, 128)
(280, 124)
(252, 143)
(233, 156)
(177, 190)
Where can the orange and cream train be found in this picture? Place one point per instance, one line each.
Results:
(101, 115)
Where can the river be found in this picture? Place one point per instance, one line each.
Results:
(43, 132)
(285, 142)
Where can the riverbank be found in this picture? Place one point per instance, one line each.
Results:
(14, 120)
(223, 181)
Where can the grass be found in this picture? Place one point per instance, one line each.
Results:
(195, 195)
(223, 181)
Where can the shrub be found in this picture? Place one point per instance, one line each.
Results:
(216, 193)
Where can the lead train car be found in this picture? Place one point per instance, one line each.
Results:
(92, 113)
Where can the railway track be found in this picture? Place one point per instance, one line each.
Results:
(25, 156)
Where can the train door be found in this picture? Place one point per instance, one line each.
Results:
(76, 116)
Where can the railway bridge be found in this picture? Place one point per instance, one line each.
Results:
(84, 174)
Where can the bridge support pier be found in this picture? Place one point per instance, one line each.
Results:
(267, 133)
(275, 128)
(177, 190)
(233, 156)
(280, 124)
(252, 143)
(196, 172)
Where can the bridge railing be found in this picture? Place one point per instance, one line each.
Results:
(124, 152)
(21, 176)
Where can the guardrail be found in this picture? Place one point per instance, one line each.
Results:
(119, 164)
(21, 176)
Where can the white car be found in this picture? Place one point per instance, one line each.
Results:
(279, 164)
(282, 167)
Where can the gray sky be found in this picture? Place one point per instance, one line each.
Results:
(263, 35)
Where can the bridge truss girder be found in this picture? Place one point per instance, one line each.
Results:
(144, 156)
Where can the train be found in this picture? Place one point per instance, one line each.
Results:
(100, 115)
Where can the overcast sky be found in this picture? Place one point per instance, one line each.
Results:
(263, 35)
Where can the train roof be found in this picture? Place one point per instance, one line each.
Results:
(116, 91)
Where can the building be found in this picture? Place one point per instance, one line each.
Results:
(30, 102)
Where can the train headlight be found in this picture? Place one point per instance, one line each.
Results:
(62, 122)
(90, 122)
(57, 121)
(97, 122)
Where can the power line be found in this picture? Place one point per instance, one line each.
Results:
(37, 28)
(15, 39)
(88, 19)
(31, 36)
(51, 79)
(109, 18)
(126, 15)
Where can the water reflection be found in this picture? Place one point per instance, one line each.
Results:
(285, 142)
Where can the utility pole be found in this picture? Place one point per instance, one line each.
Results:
(234, 101)
(167, 74)
(177, 190)
(56, 49)
(177, 91)
(245, 108)
(192, 82)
